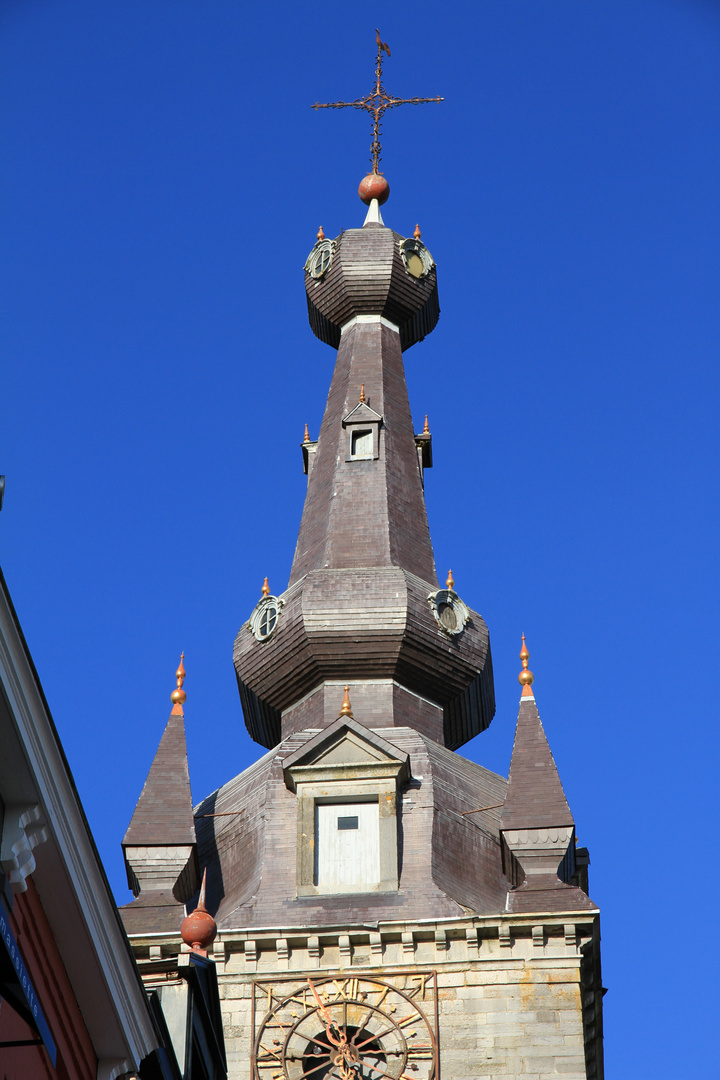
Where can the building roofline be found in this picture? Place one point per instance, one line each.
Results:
(77, 901)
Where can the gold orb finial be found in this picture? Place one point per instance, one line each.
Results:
(526, 677)
(417, 234)
(320, 233)
(178, 696)
(362, 392)
(306, 437)
(346, 707)
(266, 588)
(426, 426)
(450, 583)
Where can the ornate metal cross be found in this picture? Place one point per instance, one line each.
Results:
(376, 102)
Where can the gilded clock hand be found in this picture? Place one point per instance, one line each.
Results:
(331, 1027)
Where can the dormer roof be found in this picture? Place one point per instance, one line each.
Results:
(362, 414)
(345, 744)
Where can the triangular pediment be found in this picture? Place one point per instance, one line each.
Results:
(362, 414)
(345, 744)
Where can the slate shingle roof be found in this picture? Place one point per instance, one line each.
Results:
(535, 796)
(164, 812)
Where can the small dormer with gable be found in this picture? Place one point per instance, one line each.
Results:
(362, 425)
(347, 780)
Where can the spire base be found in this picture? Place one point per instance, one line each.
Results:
(373, 216)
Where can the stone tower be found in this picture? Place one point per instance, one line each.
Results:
(385, 908)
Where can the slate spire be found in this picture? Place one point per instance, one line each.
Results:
(160, 842)
(363, 604)
(536, 821)
(365, 504)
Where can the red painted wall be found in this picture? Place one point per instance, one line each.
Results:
(75, 1057)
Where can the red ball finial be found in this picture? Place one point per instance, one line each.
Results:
(198, 929)
(374, 186)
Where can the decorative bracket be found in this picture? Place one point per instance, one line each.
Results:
(22, 832)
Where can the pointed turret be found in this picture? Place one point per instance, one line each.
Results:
(537, 825)
(160, 843)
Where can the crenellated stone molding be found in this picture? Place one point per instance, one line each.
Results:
(547, 938)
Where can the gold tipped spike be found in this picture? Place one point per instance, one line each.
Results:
(426, 426)
(346, 707)
(526, 677)
(450, 583)
(307, 435)
(362, 392)
(178, 696)
(266, 588)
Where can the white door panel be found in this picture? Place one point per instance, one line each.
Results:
(347, 844)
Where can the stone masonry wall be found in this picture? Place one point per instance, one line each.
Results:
(509, 997)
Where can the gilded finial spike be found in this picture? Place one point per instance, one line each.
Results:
(362, 392)
(320, 233)
(346, 707)
(307, 435)
(178, 696)
(417, 234)
(450, 583)
(266, 588)
(526, 677)
(426, 426)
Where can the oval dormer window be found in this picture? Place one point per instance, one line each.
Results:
(264, 619)
(319, 259)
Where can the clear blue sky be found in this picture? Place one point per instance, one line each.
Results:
(162, 180)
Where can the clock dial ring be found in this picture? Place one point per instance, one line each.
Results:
(337, 1028)
(362, 1041)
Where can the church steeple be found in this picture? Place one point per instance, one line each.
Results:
(363, 603)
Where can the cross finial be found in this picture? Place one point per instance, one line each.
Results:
(376, 103)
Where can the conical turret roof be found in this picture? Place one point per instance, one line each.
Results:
(164, 812)
(535, 796)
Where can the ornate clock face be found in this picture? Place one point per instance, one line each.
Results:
(341, 1028)
(416, 257)
(450, 613)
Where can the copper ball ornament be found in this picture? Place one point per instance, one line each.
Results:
(374, 186)
(198, 929)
